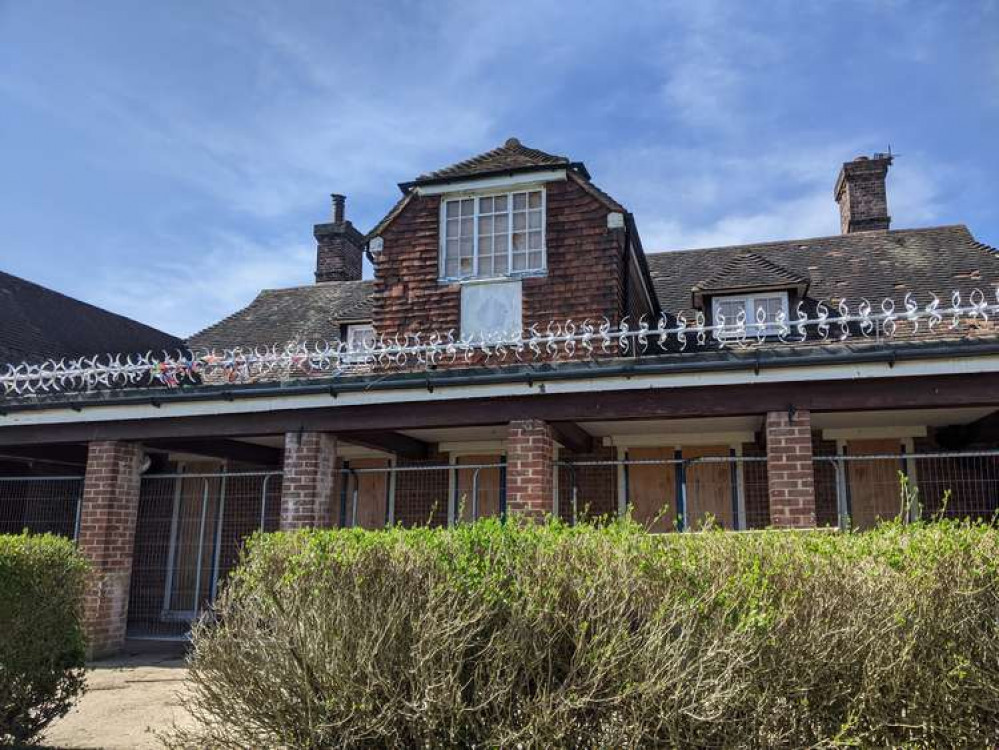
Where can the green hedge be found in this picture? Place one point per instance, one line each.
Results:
(549, 636)
(42, 646)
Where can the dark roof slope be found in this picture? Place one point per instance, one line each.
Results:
(870, 265)
(749, 270)
(512, 156)
(39, 323)
(310, 314)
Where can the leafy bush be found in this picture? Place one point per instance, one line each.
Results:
(42, 645)
(494, 635)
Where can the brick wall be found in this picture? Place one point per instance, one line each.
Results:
(339, 254)
(107, 539)
(862, 195)
(530, 468)
(585, 277)
(789, 469)
(308, 486)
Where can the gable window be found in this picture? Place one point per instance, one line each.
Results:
(772, 303)
(494, 235)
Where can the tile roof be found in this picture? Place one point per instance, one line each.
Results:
(511, 156)
(40, 323)
(749, 269)
(310, 314)
(870, 265)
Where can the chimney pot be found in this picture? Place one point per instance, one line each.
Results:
(339, 202)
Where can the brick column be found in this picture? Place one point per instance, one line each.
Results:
(789, 470)
(530, 464)
(107, 539)
(307, 487)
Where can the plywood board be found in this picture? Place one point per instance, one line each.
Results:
(487, 504)
(709, 488)
(372, 493)
(652, 489)
(874, 485)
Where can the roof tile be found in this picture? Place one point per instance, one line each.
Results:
(871, 265)
(512, 155)
(303, 314)
(40, 323)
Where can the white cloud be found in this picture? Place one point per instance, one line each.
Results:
(699, 197)
(183, 293)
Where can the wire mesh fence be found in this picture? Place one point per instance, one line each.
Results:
(189, 531)
(421, 494)
(41, 505)
(861, 490)
(667, 494)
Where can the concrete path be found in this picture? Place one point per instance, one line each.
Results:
(128, 698)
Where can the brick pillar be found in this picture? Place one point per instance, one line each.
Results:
(307, 488)
(530, 463)
(107, 539)
(789, 470)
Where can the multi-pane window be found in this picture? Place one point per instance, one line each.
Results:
(771, 303)
(360, 338)
(493, 235)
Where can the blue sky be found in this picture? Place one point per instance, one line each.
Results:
(168, 160)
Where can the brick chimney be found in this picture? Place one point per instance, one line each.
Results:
(340, 247)
(861, 194)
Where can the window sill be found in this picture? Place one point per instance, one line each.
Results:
(462, 280)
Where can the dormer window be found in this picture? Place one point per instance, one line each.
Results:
(360, 339)
(488, 236)
(730, 306)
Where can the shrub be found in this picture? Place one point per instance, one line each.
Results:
(42, 645)
(495, 635)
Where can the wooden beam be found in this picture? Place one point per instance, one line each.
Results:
(390, 442)
(660, 403)
(70, 455)
(573, 437)
(231, 450)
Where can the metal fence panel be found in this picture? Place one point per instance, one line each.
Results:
(431, 494)
(668, 494)
(866, 489)
(189, 533)
(41, 505)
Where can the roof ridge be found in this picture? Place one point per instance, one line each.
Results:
(510, 155)
(315, 285)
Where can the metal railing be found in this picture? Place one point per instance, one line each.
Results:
(543, 341)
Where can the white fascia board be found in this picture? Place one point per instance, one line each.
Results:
(441, 392)
(680, 439)
(489, 184)
(874, 433)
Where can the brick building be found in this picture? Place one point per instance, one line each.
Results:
(519, 352)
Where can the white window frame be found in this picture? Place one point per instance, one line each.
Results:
(442, 276)
(356, 356)
(750, 301)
